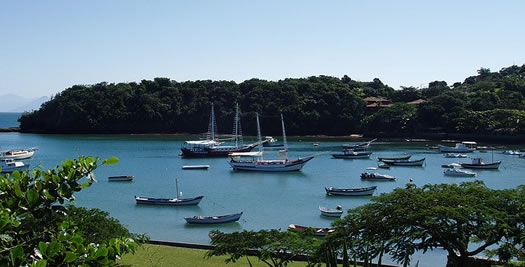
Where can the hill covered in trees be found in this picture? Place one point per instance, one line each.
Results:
(489, 103)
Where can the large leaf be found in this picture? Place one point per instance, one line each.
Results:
(32, 196)
(109, 161)
(17, 255)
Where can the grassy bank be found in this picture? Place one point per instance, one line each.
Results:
(157, 256)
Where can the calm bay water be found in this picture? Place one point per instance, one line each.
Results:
(9, 119)
(268, 200)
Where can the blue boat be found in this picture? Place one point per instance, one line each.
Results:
(214, 219)
(170, 201)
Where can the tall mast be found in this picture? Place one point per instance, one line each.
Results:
(259, 134)
(177, 187)
(212, 127)
(284, 138)
(237, 131)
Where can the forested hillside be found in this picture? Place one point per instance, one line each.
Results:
(488, 103)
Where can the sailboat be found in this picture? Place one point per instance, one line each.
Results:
(212, 146)
(170, 201)
(258, 163)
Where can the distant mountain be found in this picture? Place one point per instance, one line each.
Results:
(15, 103)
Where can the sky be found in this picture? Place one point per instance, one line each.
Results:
(48, 46)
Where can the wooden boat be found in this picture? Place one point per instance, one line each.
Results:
(213, 219)
(458, 172)
(394, 157)
(9, 165)
(459, 148)
(477, 163)
(18, 154)
(317, 231)
(363, 191)
(212, 147)
(331, 212)
(377, 176)
(170, 201)
(351, 154)
(195, 167)
(455, 155)
(258, 163)
(407, 162)
(121, 178)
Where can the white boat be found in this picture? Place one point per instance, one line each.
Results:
(9, 165)
(363, 191)
(459, 148)
(18, 154)
(458, 172)
(195, 167)
(317, 230)
(451, 165)
(377, 176)
(258, 163)
(331, 212)
(454, 155)
(512, 152)
(477, 163)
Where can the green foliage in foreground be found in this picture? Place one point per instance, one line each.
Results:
(34, 227)
(165, 256)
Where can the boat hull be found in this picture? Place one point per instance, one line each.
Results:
(394, 158)
(356, 155)
(17, 156)
(213, 219)
(486, 166)
(365, 191)
(120, 178)
(447, 149)
(215, 151)
(269, 165)
(405, 162)
(459, 174)
(317, 231)
(12, 169)
(169, 201)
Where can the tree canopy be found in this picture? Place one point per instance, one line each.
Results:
(313, 105)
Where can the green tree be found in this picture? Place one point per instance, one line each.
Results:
(463, 219)
(34, 227)
(273, 247)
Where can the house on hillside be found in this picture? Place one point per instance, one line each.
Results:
(377, 102)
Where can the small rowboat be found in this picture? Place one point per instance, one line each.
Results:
(169, 201)
(377, 176)
(405, 162)
(351, 154)
(317, 231)
(121, 178)
(364, 191)
(404, 157)
(331, 212)
(458, 173)
(214, 219)
(195, 167)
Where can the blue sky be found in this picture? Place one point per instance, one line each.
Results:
(47, 46)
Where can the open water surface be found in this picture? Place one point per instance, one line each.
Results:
(268, 200)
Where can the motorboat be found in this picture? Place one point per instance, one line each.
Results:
(358, 147)
(213, 219)
(337, 212)
(18, 154)
(459, 148)
(458, 172)
(362, 191)
(317, 231)
(451, 165)
(10, 165)
(477, 163)
(512, 152)
(377, 176)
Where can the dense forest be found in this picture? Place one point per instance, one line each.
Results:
(489, 103)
